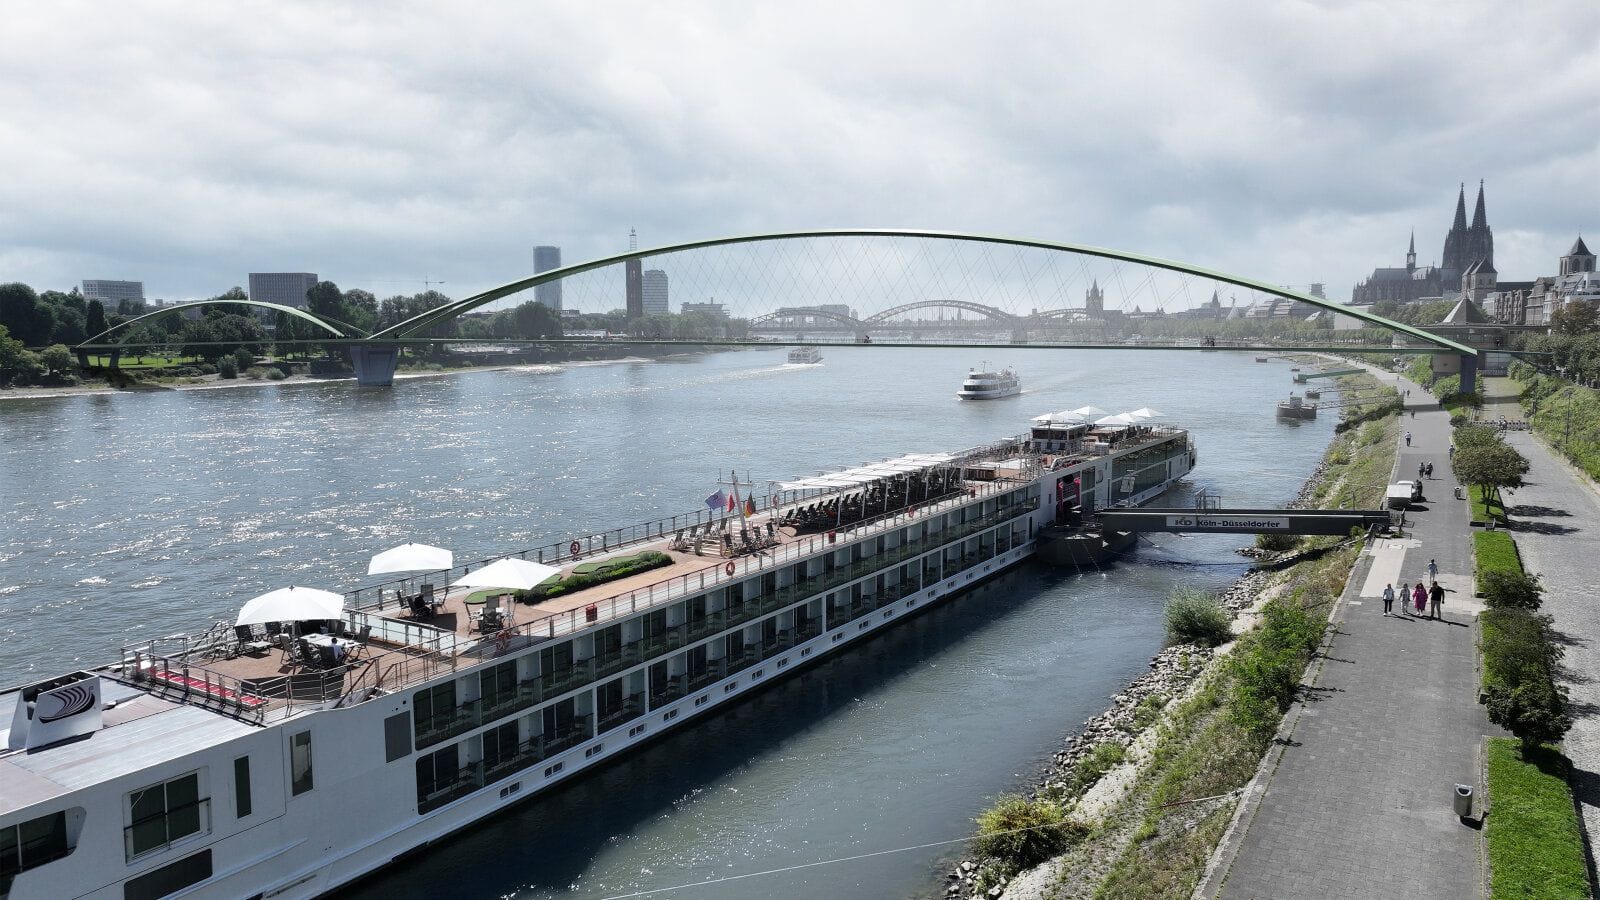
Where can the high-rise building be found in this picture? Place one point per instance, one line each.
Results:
(545, 259)
(634, 277)
(653, 293)
(711, 308)
(107, 291)
(283, 288)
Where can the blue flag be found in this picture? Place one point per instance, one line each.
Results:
(717, 501)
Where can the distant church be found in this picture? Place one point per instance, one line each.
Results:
(1467, 249)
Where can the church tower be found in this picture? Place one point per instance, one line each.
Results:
(1411, 253)
(1452, 262)
(1480, 239)
(1578, 260)
(1094, 302)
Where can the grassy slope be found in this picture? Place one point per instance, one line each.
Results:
(1202, 751)
(1535, 848)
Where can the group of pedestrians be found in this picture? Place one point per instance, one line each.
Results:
(1428, 599)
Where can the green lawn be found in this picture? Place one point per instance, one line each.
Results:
(138, 362)
(1535, 848)
(1485, 507)
(1495, 551)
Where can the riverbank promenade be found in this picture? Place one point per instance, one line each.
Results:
(1354, 800)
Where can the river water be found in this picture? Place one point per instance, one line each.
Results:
(128, 516)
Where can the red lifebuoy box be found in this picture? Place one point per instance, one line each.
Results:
(729, 567)
(833, 537)
(591, 613)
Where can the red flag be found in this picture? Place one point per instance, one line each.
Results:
(731, 502)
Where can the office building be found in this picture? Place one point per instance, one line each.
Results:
(109, 293)
(283, 288)
(545, 259)
(634, 279)
(653, 293)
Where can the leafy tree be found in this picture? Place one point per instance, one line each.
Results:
(243, 359)
(95, 320)
(534, 320)
(360, 308)
(1476, 436)
(69, 327)
(1491, 466)
(57, 359)
(227, 367)
(1577, 317)
(27, 319)
(324, 299)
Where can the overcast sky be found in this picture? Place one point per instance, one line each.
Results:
(187, 144)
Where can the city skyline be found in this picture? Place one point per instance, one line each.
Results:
(1292, 145)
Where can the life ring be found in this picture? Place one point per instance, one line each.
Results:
(574, 547)
(729, 567)
(502, 642)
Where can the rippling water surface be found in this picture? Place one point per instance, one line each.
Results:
(127, 516)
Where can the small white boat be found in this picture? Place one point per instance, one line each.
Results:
(805, 356)
(982, 384)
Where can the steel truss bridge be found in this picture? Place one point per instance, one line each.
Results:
(375, 355)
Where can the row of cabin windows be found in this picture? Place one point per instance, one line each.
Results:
(434, 709)
(28, 845)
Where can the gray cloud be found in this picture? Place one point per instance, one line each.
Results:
(188, 145)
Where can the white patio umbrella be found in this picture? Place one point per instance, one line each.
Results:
(1063, 416)
(1087, 411)
(1145, 412)
(411, 558)
(292, 604)
(510, 573)
(1118, 419)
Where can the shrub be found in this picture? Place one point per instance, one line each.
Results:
(611, 570)
(1195, 617)
(1516, 647)
(1536, 711)
(257, 372)
(227, 368)
(1267, 672)
(276, 374)
(1476, 436)
(1514, 590)
(243, 359)
(1277, 542)
(206, 369)
(1023, 832)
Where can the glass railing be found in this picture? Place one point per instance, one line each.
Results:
(632, 708)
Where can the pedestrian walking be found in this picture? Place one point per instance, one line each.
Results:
(1388, 599)
(1451, 452)
(1430, 469)
(1436, 601)
(1408, 439)
(1419, 597)
(1421, 470)
(1405, 597)
(1433, 570)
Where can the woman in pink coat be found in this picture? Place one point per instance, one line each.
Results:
(1420, 598)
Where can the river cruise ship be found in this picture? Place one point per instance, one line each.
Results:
(982, 384)
(805, 356)
(225, 764)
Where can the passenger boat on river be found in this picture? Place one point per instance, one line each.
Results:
(225, 764)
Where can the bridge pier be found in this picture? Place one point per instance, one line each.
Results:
(1469, 374)
(374, 364)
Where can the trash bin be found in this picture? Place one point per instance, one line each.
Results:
(1464, 801)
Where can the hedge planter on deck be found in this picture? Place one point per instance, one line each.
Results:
(589, 574)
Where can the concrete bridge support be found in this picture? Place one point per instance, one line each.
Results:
(374, 364)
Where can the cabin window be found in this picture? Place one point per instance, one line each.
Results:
(300, 763)
(434, 707)
(241, 787)
(28, 845)
(170, 878)
(500, 745)
(163, 813)
(497, 685)
(437, 772)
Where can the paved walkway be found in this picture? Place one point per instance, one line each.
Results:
(1358, 802)
(1557, 521)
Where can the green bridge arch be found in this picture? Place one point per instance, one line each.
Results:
(415, 324)
(331, 326)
